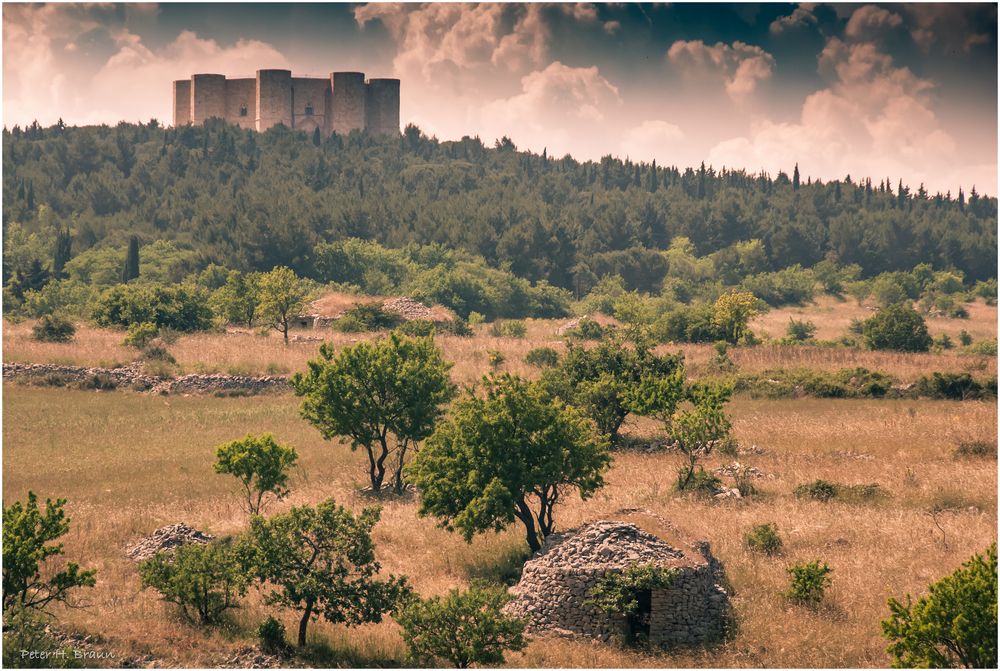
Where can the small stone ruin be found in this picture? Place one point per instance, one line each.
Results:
(554, 591)
(165, 538)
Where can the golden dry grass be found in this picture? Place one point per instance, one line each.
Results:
(833, 316)
(242, 352)
(129, 463)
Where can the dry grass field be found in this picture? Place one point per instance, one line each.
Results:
(129, 463)
(240, 352)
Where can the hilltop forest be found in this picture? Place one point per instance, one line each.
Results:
(220, 197)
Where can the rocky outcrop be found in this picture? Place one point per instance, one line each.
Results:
(165, 538)
(409, 309)
(554, 591)
(132, 377)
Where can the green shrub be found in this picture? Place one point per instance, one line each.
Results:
(763, 538)
(964, 338)
(417, 328)
(954, 625)
(204, 579)
(588, 329)
(260, 465)
(944, 342)
(898, 327)
(542, 357)
(983, 347)
(514, 328)
(271, 635)
(28, 642)
(461, 628)
(495, 357)
(976, 449)
(367, 317)
(700, 481)
(141, 334)
(808, 582)
(181, 307)
(789, 286)
(615, 593)
(953, 386)
(52, 328)
(800, 331)
(159, 354)
(820, 490)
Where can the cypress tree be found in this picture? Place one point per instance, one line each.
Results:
(131, 269)
(795, 178)
(63, 250)
(317, 139)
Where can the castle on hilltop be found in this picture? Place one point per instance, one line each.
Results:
(340, 103)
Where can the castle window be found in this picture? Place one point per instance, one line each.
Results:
(243, 110)
(309, 109)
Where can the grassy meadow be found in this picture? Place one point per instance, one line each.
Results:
(129, 463)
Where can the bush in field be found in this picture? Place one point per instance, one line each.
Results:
(603, 381)
(368, 317)
(732, 313)
(819, 490)
(417, 328)
(496, 358)
(898, 327)
(513, 328)
(801, 330)
(383, 395)
(461, 628)
(808, 582)
(238, 300)
(140, 335)
(542, 357)
(588, 329)
(52, 328)
(793, 285)
(976, 449)
(28, 536)
(181, 307)
(954, 625)
(953, 386)
(511, 452)
(261, 466)
(27, 630)
(281, 295)
(321, 561)
(764, 538)
(204, 579)
(271, 635)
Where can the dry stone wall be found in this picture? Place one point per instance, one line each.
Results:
(133, 378)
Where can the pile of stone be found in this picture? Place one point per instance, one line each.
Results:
(736, 468)
(165, 538)
(132, 377)
(410, 310)
(251, 658)
(554, 591)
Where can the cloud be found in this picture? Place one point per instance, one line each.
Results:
(559, 107)
(741, 66)
(652, 140)
(870, 22)
(801, 17)
(875, 118)
(951, 27)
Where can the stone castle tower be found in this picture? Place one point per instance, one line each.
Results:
(340, 103)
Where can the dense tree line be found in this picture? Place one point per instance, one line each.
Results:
(252, 201)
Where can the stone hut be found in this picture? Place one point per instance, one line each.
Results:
(555, 585)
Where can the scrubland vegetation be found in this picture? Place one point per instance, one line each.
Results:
(801, 373)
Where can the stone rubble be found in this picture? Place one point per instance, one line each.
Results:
(132, 377)
(554, 590)
(250, 657)
(410, 309)
(165, 538)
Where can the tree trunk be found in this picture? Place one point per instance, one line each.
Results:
(523, 513)
(304, 622)
(284, 330)
(397, 478)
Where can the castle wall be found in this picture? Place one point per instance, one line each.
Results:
(182, 102)
(274, 98)
(308, 92)
(208, 97)
(383, 107)
(240, 93)
(348, 102)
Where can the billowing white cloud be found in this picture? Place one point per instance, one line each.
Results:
(875, 118)
(741, 66)
(651, 140)
(871, 22)
(800, 17)
(559, 107)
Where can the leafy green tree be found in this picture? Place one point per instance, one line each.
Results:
(800, 330)
(953, 626)
(238, 300)
(282, 296)
(182, 307)
(511, 453)
(131, 269)
(462, 628)
(52, 328)
(204, 579)
(261, 466)
(321, 561)
(898, 327)
(384, 395)
(732, 313)
(603, 380)
(28, 536)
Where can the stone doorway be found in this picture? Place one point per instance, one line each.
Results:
(638, 621)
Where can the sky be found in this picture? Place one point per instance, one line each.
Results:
(898, 91)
